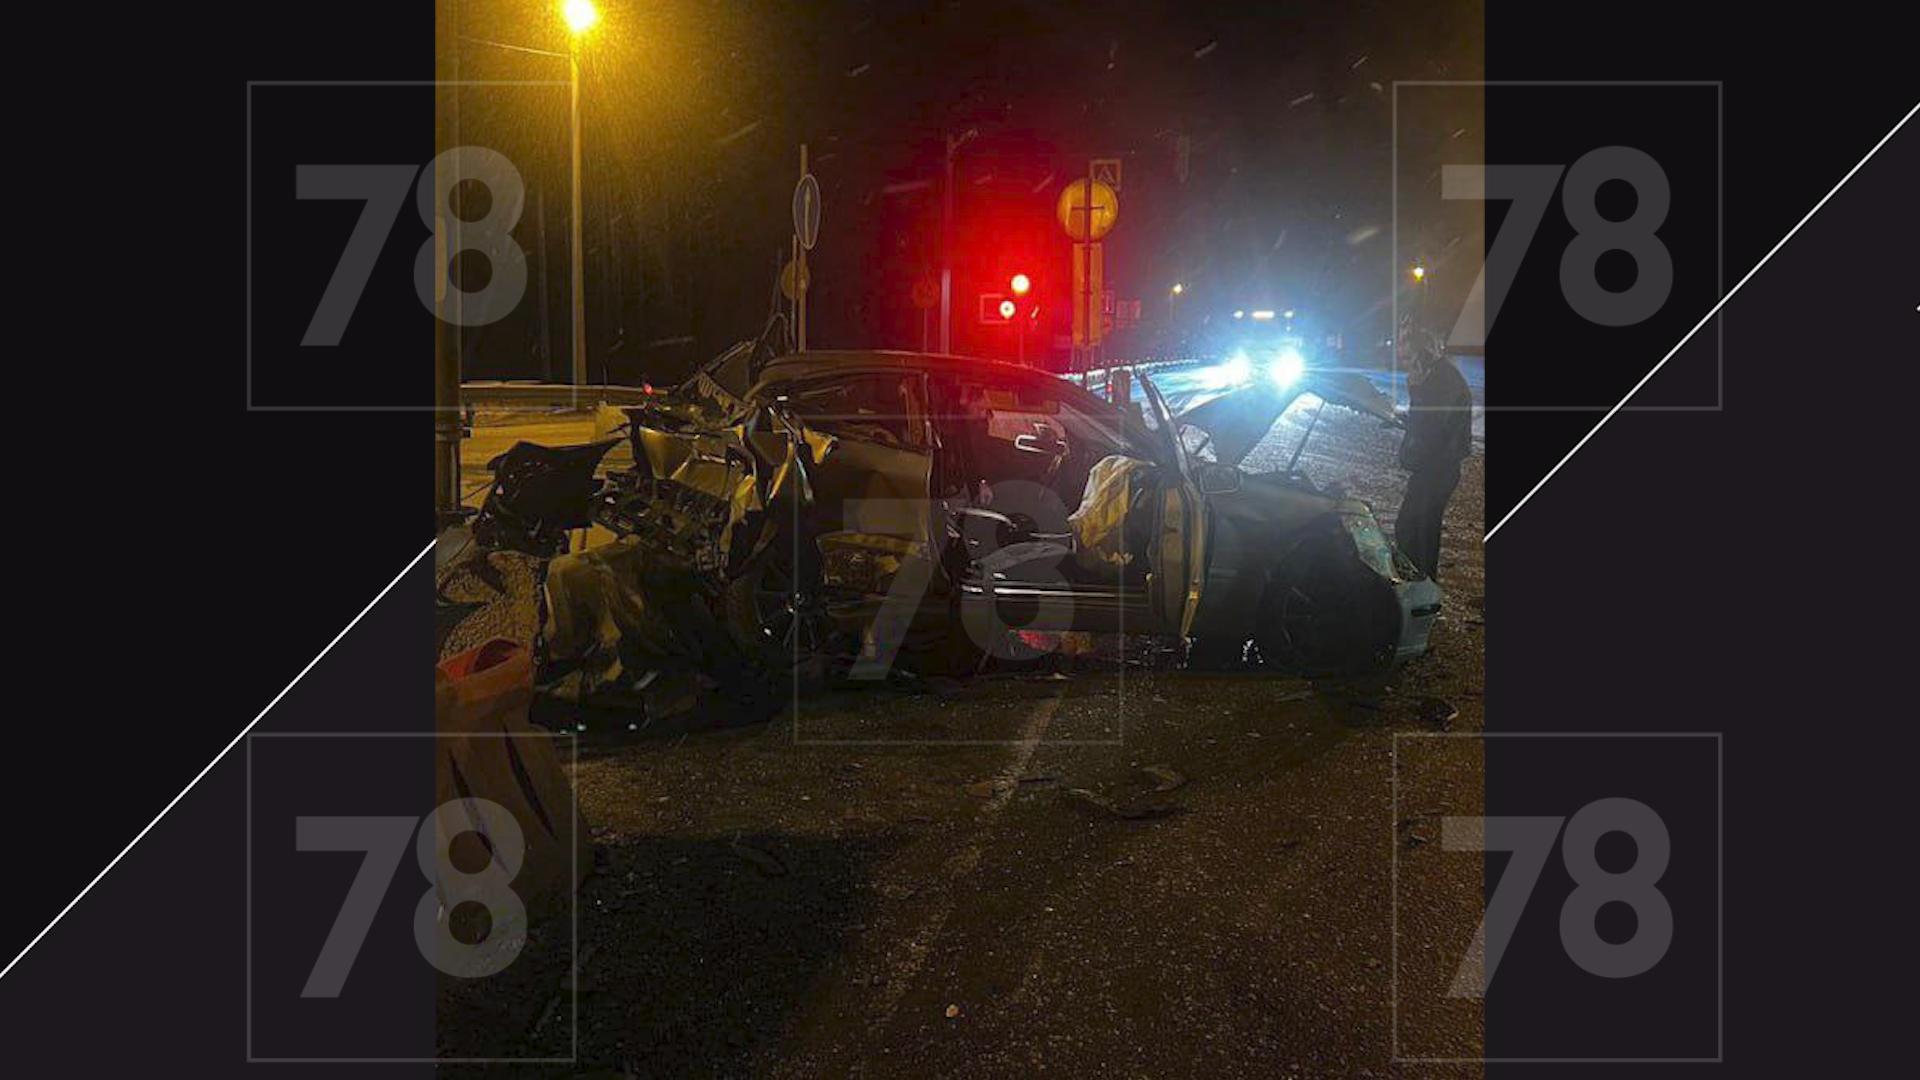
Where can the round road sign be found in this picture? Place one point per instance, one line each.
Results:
(1072, 209)
(806, 211)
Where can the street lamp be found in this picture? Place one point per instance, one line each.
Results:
(1419, 273)
(580, 16)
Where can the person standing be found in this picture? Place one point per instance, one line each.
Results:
(1439, 433)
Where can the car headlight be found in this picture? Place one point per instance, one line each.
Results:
(1287, 367)
(1235, 370)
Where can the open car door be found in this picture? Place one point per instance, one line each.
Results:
(1237, 420)
(1180, 525)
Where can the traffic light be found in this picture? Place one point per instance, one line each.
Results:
(1016, 305)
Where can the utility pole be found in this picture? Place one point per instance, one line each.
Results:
(800, 275)
(946, 250)
(953, 145)
(546, 321)
(446, 346)
(579, 297)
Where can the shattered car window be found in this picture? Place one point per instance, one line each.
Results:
(1101, 433)
(1198, 443)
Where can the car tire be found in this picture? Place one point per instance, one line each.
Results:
(773, 617)
(1325, 612)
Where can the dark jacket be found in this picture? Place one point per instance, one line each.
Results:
(1439, 419)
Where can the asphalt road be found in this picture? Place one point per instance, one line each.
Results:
(1125, 870)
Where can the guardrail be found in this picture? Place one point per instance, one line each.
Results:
(553, 395)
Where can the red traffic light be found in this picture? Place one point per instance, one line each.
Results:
(1020, 284)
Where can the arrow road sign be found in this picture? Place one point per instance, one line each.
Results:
(806, 211)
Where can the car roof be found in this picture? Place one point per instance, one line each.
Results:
(821, 363)
(826, 361)
(816, 363)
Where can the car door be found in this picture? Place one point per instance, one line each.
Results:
(1179, 544)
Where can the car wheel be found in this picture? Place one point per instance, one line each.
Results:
(775, 615)
(1326, 613)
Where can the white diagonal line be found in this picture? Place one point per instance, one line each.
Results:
(1703, 321)
(216, 760)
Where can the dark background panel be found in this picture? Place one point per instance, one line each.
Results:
(297, 245)
(206, 553)
(1671, 1010)
(1802, 100)
(1721, 571)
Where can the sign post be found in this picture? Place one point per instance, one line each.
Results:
(926, 294)
(806, 230)
(1087, 210)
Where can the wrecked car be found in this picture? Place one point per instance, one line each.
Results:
(843, 512)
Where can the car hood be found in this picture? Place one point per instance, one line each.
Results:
(1239, 419)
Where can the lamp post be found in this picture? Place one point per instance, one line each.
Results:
(446, 353)
(953, 143)
(581, 15)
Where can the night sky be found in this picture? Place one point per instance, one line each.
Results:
(1278, 115)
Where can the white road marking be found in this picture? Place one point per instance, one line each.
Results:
(966, 859)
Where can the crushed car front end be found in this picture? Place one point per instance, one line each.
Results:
(1305, 572)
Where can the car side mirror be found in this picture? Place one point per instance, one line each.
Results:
(1217, 479)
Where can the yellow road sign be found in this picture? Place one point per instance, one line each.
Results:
(1072, 209)
(786, 279)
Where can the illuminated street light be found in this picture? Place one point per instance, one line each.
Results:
(580, 15)
(1178, 288)
(1287, 314)
(1419, 273)
(1263, 315)
(1020, 284)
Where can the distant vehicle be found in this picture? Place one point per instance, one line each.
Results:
(859, 503)
(1284, 339)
